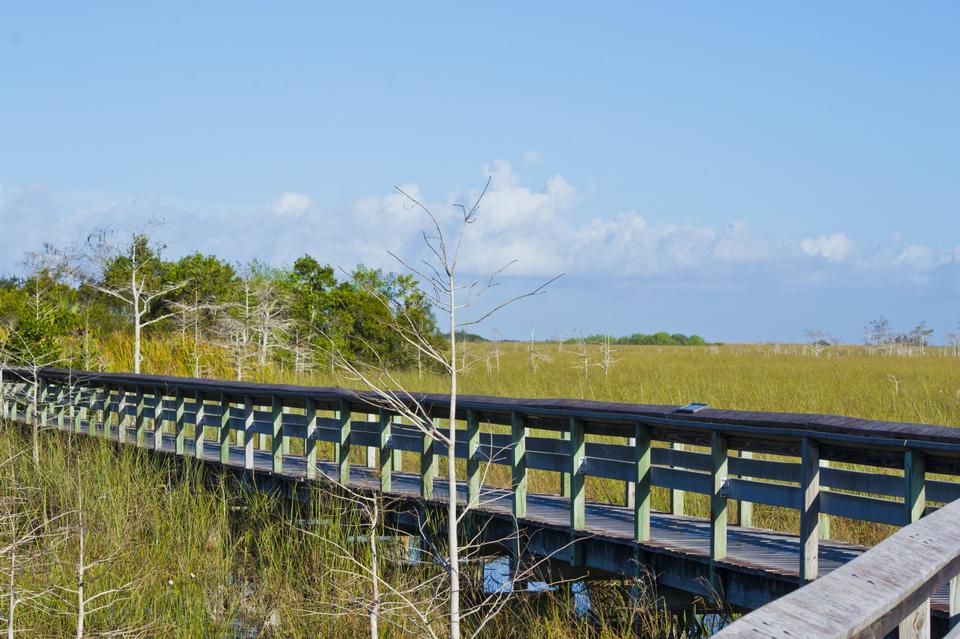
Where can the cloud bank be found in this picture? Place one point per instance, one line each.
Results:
(543, 228)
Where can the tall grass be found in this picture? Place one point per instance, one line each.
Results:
(205, 558)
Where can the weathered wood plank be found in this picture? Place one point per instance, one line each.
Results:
(870, 595)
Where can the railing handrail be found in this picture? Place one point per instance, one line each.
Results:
(870, 595)
(888, 434)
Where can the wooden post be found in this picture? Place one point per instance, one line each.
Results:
(578, 491)
(74, 403)
(248, 434)
(198, 428)
(630, 487)
(121, 414)
(277, 433)
(158, 419)
(310, 441)
(676, 496)
(224, 428)
(140, 425)
(917, 624)
(642, 461)
(43, 404)
(385, 451)
(428, 463)
(284, 440)
(954, 609)
(343, 449)
(92, 410)
(61, 410)
(809, 510)
(473, 463)
(107, 413)
(718, 500)
(370, 451)
(518, 464)
(180, 426)
(565, 476)
(824, 518)
(745, 508)
(397, 453)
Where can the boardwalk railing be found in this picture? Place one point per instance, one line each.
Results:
(885, 589)
(893, 473)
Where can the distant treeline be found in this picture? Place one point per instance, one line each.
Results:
(642, 339)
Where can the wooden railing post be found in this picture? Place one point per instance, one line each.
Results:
(824, 518)
(121, 414)
(370, 451)
(518, 463)
(718, 501)
(954, 606)
(745, 508)
(74, 405)
(630, 487)
(60, 409)
(92, 412)
(578, 493)
(158, 418)
(565, 476)
(139, 424)
(473, 463)
(107, 412)
(676, 496)
(397, 453)
(224, 428)
(310, 441)
(917, 624)
(284, 440)
(809, 510)
(343, 448)
(180, 425)
(385, 451)
(198, 427)
(641, 504)
(248, 435)
(277, 433)
(428, 463)
(42, 409)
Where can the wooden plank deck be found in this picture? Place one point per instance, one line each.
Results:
(768, 560)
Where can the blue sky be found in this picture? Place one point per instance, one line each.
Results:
(741, 170)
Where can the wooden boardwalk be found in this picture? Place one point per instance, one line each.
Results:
(824, 466)
(769, 554)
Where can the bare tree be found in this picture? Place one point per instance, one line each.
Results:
(23, 532)
(607, 359)
(819, 340)
(82, 600)
(439, 277)
(192, 315)
(139, 289)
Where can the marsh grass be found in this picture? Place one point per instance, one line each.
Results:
(209, 558)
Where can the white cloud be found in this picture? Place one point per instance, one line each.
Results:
(291, 203)
(539, 226)
(836, 247)
(916, 257)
